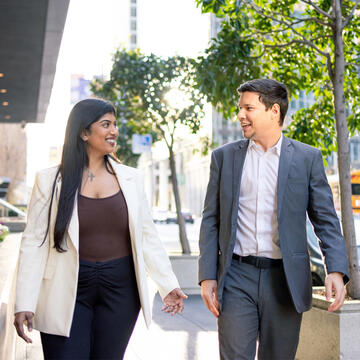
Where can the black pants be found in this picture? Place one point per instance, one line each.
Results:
(106, 309)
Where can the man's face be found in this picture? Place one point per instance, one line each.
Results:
(255, 120)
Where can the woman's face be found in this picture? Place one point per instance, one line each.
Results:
(101, 138)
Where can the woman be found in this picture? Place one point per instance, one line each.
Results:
(88, 243)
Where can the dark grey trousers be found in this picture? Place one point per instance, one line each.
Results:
(257, 306)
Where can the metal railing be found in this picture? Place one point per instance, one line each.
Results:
(6, 207)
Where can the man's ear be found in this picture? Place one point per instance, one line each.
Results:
(275, 112)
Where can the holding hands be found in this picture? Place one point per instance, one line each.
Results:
(173, 302)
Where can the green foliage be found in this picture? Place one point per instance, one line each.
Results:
(315, 126)
(204, 145)
(4, 231)
(225, 65)
(140, 87)
(289, 41)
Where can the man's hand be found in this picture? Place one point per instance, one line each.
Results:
(20, 318)
(173, 302)
(334, 282)
(209, 295)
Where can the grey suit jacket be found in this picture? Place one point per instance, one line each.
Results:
(302, 188)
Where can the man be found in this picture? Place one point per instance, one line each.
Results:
(254, 265)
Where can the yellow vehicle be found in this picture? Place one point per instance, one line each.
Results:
(355, 190)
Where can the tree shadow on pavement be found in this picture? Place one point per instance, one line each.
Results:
(196, 327)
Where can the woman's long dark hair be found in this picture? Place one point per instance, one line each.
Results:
(74, 159)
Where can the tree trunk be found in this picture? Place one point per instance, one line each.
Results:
(343, 154)
(181, 221)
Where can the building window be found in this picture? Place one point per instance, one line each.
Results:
(133, 12)
(133, 39)
(356, 151)
(133, 25)
(133, 1)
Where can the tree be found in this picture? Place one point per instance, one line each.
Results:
(126, 120)
(310, 46)
(157, 95)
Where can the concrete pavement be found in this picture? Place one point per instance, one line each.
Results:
(190, 336)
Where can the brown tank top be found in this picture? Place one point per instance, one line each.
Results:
(103, 228)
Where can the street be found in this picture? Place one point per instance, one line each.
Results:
(169, 234)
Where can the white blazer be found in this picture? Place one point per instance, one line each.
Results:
(47, 279)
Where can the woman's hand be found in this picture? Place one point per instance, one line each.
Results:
(173, 302)
(20, 318)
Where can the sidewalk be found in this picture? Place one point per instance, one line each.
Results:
(189, 336)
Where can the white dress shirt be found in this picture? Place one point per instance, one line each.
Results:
(257, 226)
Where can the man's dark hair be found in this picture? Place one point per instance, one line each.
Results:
(270, 92)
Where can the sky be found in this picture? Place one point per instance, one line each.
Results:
(93, 30)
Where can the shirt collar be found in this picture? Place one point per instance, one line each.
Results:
(276, 147)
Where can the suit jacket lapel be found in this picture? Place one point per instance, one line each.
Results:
(239, 159)
(286, 155)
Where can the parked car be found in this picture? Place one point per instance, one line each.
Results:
(159, 215)
(172, 217)
(316, 260)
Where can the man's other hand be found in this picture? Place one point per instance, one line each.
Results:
(209, 295)
(334, 282)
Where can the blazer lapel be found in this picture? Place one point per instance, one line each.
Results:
(239, 159)
(73, 228)
(128, 188)
(286, 155)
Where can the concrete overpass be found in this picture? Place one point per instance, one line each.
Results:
(30, 37)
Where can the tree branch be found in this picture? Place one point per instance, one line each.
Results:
(298, 21)
(265, 33)
(318, 21)
(320, 11)
(303, 42)
(172, 134)
(286, 44)
(351, 14)
(258, 56)
(162, 133)
(321, 37)
(249, 36)
(352, 64)
(281, 21)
